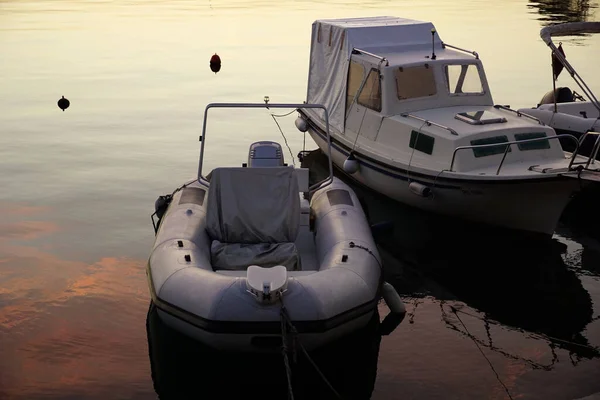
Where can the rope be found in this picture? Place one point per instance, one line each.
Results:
(535, 334)
(483, 354)
(435, 182)
(182, 187)
(284, 115)
(284, 138)
(358, 246)
(413, 151)
(370, 97)
(286, 323)
(284, 350)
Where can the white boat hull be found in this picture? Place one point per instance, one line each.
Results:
(530, 204)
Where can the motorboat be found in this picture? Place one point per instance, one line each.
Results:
(242, 250)
(562, 108)
(413, 118)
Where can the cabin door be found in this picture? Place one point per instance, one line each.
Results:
(364, 118)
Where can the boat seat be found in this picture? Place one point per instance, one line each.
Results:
(253, 217)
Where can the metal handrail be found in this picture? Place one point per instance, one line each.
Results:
(464, 50)
(429, 123)
(595, 147)
(268, 105)
(576, 77)
(387, 63)
(509, 144)
(519, 113)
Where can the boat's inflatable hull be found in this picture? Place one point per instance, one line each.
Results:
(334, 294)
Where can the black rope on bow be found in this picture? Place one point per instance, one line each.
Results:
(288, 327)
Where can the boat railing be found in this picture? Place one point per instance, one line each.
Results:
(380, 58)
(429, 123)
(474, 53)
(509, 145)
(592, 158)
(268, 105)
(519, 114)
(571, 28)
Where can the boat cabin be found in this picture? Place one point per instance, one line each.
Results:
(412, 81)
(392, 85)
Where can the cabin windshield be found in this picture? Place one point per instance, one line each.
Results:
(463, 79)
(413, 82)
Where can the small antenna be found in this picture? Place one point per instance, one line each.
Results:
(433, 57)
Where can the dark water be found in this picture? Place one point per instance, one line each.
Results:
(491, 315)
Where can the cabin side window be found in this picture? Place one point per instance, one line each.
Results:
(412, 82)
(356, 72)
(536, 145)
(463, 79)
(489, 150)
(370, 95)
(422, 142)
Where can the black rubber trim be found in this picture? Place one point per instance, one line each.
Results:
(402, 174)
(253, 327)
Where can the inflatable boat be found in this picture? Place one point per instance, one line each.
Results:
(241, 248)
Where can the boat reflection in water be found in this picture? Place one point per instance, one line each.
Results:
(185, 369)
(490, 276)
(560, 11)
(524, 287)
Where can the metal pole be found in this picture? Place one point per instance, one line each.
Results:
(265, 105)
(553, 83)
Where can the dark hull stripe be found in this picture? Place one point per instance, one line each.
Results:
(253, 327)
(402, 174)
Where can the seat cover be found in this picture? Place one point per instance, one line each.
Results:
(253, 217)
(238, 256)
(253, 205)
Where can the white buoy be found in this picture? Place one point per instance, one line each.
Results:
(392, 299)
(301, 124)
(397, 309)
(351, 164)
(419, 189)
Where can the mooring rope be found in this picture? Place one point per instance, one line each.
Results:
(286, 324)
(284, 351)
(284, 138)
(483, 354)
(532, 333)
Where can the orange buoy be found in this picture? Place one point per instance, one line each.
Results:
(215, 63)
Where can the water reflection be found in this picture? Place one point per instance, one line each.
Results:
(184, 369)
(515, 282)
(520, 285)
(560, 11)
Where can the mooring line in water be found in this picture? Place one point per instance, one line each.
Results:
(532, 363)
(286, 361)
(454, 310)
(286, 323)
(534, 333)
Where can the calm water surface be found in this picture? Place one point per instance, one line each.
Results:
(490, 316)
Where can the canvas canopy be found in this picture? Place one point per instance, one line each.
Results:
(332, 42)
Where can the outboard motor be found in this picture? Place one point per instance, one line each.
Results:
(563, 95)
(265, 154)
